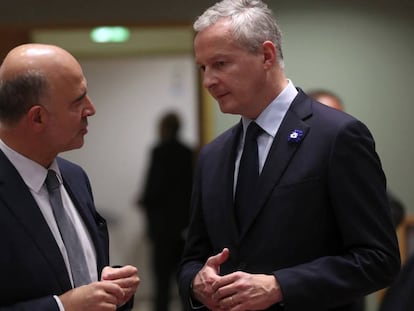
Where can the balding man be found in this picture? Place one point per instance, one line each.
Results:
(44, 109)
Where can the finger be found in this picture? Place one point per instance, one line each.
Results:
(222, 285)
(228, 302)
(219, 259)
(110, 273)
(105, 272)
(128, 282)
(113, 289)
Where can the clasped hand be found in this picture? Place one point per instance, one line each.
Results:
(116, 287)
(237, 291)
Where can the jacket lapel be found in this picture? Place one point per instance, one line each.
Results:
(282, 150)
(221, 208)
(18, 199)
(79, 196)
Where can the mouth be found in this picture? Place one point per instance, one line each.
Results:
(220, 96)
(84, 129)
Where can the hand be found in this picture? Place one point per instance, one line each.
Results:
(126, 277)
(97, 296)
(208, 275)
(241, 291)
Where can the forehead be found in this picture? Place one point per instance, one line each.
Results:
(68, 74)
(221, 30)
(215, 40)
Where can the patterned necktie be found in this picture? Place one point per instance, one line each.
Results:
(248, 176)
(77, 259)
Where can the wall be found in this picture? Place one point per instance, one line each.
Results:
(130, 95)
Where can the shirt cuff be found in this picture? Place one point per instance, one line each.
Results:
(59, 303)
(195, 305)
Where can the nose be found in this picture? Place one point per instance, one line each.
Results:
(209, 78)
(90, 107)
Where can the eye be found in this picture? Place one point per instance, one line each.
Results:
(202, 68)
(220, 64)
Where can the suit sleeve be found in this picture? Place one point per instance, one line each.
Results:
(45, 304)
(369, 259)
(198, 246)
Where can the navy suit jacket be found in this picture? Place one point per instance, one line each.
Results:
(321, 221)
(32, 268)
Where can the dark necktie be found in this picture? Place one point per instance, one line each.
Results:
(77, 259)
(248, 176)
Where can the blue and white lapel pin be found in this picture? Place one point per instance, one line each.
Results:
(295, 136)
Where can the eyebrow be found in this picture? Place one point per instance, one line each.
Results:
(80, 97)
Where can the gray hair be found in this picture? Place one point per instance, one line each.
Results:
(19, 94)
(252, 21)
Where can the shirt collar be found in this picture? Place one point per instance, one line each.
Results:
(271, 118)
(33, 174)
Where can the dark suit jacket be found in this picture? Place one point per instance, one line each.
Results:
(321, 223)
(32, 268)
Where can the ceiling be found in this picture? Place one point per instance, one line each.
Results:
(157, 26)
(58, 13)
(22, 13)
(142, 41)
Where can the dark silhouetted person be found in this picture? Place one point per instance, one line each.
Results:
(166, 200)
(400, 295)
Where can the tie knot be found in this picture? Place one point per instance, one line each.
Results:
(253, 131)
(52, 182)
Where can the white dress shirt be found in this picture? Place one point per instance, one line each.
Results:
(269, 120)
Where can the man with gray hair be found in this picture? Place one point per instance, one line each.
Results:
(289, 207)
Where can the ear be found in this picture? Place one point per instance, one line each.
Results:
(37, 117)
(269, 54)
